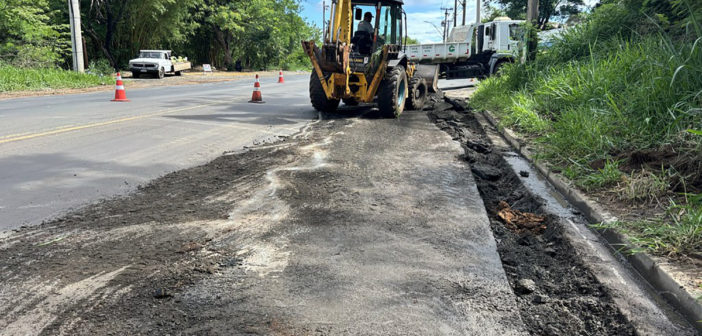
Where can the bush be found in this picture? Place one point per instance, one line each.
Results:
(29, 37)
(100, 67)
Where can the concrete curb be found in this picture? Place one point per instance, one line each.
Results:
(661, 281)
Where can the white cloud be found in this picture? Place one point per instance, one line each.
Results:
(419, 28)
(424, 3)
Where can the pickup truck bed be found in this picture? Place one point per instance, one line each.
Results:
(181, 66)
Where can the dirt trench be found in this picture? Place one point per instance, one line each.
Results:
(556, 293)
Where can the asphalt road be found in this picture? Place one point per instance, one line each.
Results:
(358, 225)
(60, 152)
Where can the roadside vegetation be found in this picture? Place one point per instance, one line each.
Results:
(14, 78)
(615, 104)
(251, 35)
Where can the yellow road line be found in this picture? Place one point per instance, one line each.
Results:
(14, 135)
(65, 129)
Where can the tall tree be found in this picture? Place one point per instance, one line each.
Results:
(100, 22)
(28, 34)
(259, 33)
(118, 28)
(547, 8)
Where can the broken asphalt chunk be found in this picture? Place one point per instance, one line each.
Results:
(525, 286)
(486, 172)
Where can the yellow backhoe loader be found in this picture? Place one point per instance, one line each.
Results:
(359, 64)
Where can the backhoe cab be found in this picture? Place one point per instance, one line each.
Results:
(356, 66)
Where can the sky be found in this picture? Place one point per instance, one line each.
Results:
(418, 13)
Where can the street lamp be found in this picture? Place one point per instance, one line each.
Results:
(435, 27)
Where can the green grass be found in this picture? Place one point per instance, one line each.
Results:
(595, 94)
(634, 95)
(608, 176)
(20, 79)
(680, 233)
(614, 85)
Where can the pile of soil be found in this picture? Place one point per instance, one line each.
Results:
(686, 162)
(556, 293)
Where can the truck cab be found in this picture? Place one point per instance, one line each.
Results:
(473, 51)
(501, 36)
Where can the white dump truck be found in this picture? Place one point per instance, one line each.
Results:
(468, 53)
(157, 63)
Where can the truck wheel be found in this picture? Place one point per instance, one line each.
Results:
(161, 73)
(350, 101)
(178, 73)
(393, 91)
(498, 67)
(319, 98)
(417, 93)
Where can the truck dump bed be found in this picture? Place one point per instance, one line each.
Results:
(439, 52)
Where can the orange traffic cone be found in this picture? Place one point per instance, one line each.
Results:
(120, 94)
(256, 97)
(281, 80)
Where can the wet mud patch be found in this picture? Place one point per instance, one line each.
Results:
(556, 293)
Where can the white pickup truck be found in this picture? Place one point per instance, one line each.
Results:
(157, 63)
(473, 54)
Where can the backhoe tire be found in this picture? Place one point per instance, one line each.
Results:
(393, 92)
(319, 98)
(417, 93)
(350, 101)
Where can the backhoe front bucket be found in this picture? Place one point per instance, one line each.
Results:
(430, 73)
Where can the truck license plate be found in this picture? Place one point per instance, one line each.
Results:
(143, 70)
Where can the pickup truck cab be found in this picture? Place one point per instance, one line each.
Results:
(157, 63)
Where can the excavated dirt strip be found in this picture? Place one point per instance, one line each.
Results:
(556, 293)
(361, 226)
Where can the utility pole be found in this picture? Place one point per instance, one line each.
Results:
(455, 12)
(532, 18)
(324, 21)
(76, 36)
(464, 11)
(446, 22)
(477, 12)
